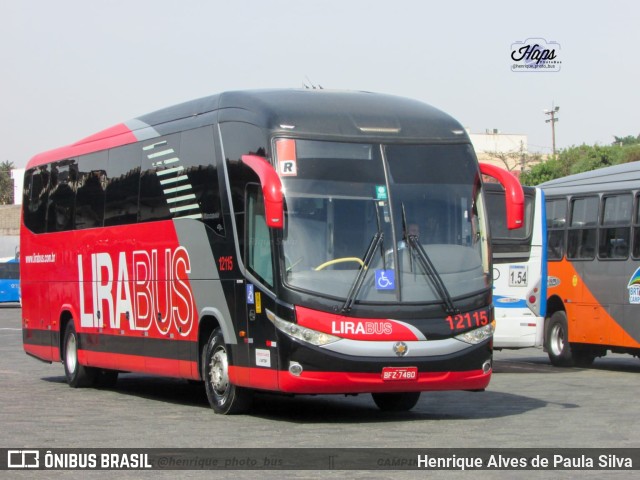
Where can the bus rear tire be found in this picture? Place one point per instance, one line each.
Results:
(224, 397)
(557, 341)
(396, 402)
(77, 375)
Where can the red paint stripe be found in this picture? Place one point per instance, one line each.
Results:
(347, 382)
(111, 137)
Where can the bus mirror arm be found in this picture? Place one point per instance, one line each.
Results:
(514, 196)
(271, 189)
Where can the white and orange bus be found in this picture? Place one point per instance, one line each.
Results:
(593, 225)
(256, 241)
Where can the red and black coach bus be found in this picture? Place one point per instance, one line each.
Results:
(305, 242)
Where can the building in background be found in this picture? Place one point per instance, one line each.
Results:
(17, 174)
(505, 150)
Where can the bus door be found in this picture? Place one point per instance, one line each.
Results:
(581, 253)
(261, 346)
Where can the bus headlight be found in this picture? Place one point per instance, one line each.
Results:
(301, 333)
(478, 335)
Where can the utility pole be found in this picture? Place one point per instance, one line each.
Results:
(552, 113)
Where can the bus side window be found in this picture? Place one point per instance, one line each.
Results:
(161, 176)
(62, 197)
(121, 198)
(36, 194)
(258, 256)
(240, 139)
(556, 213)
(581, 243)
(197, 153)
(615, 227)
(636, 230)
(91, 183)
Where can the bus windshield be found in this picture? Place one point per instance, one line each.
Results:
(499, 231)
(345, 199)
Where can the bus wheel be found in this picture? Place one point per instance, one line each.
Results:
(224, 397)
(77, 375)
(557, 341)
(396, 402)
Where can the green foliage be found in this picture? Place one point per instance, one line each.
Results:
(584, 158)
(541, 172)
(6, 183)
(631, 154)
(628, 140)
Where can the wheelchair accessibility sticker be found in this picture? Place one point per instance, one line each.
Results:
(385, 279)
(250, 294)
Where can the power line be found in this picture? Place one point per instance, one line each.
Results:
(553, 119)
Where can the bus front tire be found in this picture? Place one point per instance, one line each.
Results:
(77, 375)
(224, 397)
(396, 402)
(557, 342)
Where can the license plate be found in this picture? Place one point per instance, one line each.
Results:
(394, 374)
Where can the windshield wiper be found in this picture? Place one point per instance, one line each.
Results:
(429, 268)
(357, 284)
(376, 241)
(427, 265)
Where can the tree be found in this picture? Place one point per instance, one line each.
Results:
(583, 158)
(628, 140)
(513, 159)
(543, 172)
(6, 183)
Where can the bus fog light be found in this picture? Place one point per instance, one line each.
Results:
(295, 369)
(486, 366)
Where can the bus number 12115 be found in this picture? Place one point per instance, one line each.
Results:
(467, 320)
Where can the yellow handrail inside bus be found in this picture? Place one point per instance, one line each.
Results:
(339, 260)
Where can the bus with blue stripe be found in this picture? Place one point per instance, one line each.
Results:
(519, 270)
(9, 280)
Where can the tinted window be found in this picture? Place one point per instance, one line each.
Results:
(258, 244)
(584, 212)
(92, 180)
(581, 239)
(241, 139)
(60, 214)
(615, 229)
(36, 193)
(10, 270)
(123, 171)
(200, 194)
(556, 210)
(161, 175)
(498, 217)
(636, 229)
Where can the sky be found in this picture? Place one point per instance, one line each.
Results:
(70, 68)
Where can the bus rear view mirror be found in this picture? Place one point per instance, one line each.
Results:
(271, 189)
(514, 196)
